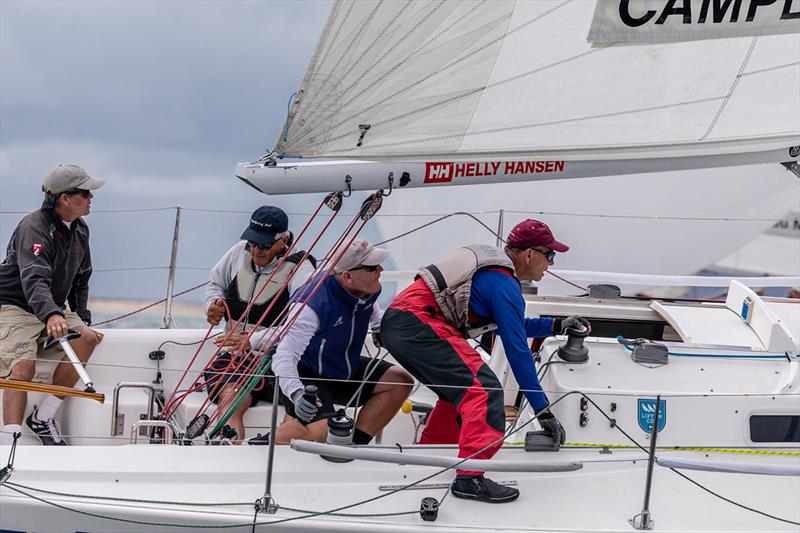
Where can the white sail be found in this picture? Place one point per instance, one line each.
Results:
(518, 79)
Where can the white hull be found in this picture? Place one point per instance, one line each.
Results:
(708, 404)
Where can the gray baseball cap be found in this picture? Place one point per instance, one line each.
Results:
(66, 177)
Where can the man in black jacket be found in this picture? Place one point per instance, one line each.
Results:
(47, 265)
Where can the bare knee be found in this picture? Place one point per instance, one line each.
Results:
(397, 381)
(23, 370)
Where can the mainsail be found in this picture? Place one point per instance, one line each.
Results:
(497, 82)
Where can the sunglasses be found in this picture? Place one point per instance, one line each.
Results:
(550, 254)
(262, 247)
(368, 268)
(82, 192)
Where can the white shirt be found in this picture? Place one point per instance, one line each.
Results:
(295, 341)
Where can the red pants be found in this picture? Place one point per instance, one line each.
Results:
(470, 407)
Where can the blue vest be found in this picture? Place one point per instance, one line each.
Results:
(335, 348)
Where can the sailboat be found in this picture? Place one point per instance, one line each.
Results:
(680, 416)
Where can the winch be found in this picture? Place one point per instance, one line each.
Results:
(573, 350)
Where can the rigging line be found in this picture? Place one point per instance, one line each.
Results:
(252, 301)
(127, 269)
(731, 90)
(275, 335)
(189, 504)
(584, 289)
(737, 504)
(644, 109)
(681, 474)
(404, 38)
(769, 69)
(639, 217)
(139, 310)
(457, 61)
(464, 213)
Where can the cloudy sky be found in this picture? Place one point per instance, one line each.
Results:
(161, 99)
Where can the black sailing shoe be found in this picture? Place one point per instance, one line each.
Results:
(482, 489)
(46, 431)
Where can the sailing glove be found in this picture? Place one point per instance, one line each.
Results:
(560, 325)
(551, 424)
(376, 338)
(304, 409)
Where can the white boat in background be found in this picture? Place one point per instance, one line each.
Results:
(426, 95)
(776, 252)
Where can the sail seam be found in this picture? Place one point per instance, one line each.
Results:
(731, 90)
(447, 66)
(770, 69)
(303, 134)
(490, 71)
(335, 37)
(316, 103)
(546, 123)
(457, 97)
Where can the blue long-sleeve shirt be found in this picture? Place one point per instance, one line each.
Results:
(496, 296)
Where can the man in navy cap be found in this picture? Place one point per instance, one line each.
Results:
(47, 266)
(425, 327)
(238, 280)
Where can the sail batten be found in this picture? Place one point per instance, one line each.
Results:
(394, 80)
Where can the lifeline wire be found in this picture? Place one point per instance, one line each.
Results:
(405, 487)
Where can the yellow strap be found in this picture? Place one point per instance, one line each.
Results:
(678, 448)
(27, 386)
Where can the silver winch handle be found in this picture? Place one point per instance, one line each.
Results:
(76, 364)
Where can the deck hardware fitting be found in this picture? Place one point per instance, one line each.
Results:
(364, 129)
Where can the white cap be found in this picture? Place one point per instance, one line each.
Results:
(360, 253)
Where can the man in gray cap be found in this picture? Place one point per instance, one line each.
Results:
(47, 265)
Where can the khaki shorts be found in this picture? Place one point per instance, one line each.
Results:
(22, 336)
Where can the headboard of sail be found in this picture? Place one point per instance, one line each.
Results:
(775, 336)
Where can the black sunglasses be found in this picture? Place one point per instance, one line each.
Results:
(368, 268)
(263, 247)
(550, 254)
(82, 192)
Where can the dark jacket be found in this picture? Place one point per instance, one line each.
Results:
(46, 266)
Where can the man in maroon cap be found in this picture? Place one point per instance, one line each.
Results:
(424, 329)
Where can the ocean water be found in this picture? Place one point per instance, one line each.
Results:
(184, 314)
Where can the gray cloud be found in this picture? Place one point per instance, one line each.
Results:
(161, 99)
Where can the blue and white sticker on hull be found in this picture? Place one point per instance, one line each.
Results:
(647, 413)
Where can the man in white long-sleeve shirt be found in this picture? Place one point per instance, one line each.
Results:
(325, 341)
(238, 279)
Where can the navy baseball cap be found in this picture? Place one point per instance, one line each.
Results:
(266, 222)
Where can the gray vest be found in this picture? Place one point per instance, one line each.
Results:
(450, 278)
(247, 285)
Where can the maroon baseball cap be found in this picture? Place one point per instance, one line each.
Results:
(530, 233)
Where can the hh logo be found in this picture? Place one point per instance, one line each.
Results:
(36, 249)
(338, 322)
(438, 172)
(647, 413)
